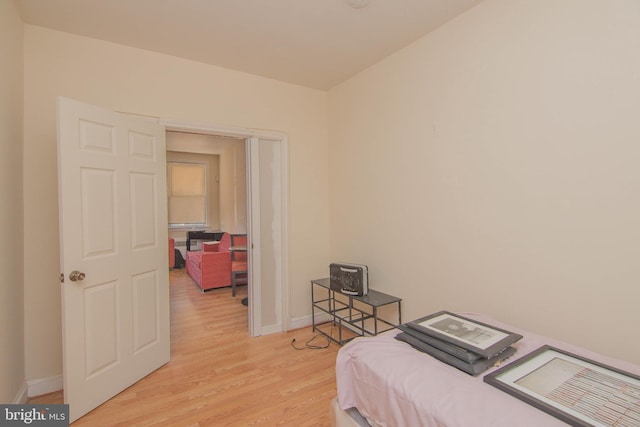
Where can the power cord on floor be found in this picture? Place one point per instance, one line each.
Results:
(309, 344)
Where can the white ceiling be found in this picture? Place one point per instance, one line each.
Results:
(313, 43)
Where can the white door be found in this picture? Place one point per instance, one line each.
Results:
(113, 233)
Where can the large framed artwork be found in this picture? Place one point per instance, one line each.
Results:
(572, 388)
(479, 338)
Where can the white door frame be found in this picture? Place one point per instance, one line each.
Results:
(256, 327)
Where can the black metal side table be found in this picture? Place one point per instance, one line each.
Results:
(356, 314)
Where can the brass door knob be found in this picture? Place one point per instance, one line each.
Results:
(76, 275)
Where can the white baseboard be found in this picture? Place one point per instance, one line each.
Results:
(304, 321)
(21, 396)
(41, 386)
(271, 329)
(295, 323)
(299, 322)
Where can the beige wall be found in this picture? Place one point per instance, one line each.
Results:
(492, 167)
(11, 261)
(142, 82)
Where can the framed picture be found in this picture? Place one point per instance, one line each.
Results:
(479, 338)
(574, 389)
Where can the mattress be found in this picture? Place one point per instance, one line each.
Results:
(393, 385)
(346, 418)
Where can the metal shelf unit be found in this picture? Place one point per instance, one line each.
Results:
(352, 315)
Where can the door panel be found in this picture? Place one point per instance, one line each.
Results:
(101, 328)
(146, 329)
(143, 203)
(98, 212)
(113, 228)
(142, 146)
(96, 137)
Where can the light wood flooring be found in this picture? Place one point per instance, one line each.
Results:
(219, 376)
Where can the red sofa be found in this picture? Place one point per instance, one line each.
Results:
(211, 267)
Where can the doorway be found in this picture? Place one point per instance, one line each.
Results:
(265, 213)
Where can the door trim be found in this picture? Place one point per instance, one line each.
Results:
(282, 308)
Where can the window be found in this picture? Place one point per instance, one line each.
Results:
(187, 194)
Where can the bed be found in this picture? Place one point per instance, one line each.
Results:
(385, 382)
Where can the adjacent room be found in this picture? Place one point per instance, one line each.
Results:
(206, 187)
(479, 157)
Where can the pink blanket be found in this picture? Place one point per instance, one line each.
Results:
(394, 385)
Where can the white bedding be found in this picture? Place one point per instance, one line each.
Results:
(394, 385)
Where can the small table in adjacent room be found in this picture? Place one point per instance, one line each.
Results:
(239, 268)
(353, 315)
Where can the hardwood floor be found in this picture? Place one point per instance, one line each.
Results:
(219, 376)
